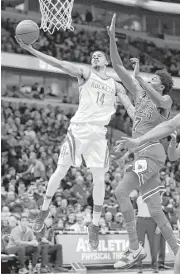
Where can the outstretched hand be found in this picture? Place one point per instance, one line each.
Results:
(135, 63)
(127, 143)
(22, 44)
(173, 136)
(111, 29)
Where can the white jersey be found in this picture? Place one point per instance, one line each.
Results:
(97, 100)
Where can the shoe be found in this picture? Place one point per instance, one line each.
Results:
(38, 224)
(23, 270)
(163, 266)
(155, 270)
(45, 269)
(131, 257)
(60, 269)
(93, 232)
(35, 270)
(139, 271)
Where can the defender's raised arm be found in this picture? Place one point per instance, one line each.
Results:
(130, 83)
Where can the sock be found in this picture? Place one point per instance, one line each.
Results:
(96, 214)
(131, 229)
(53, 185)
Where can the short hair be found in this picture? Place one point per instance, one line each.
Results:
(166, 80)
(107, 58)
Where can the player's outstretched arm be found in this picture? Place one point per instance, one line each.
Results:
(159, 132)
(121, 92)
(67, 67)
(121, 71)
(160, 100)
(173, 152)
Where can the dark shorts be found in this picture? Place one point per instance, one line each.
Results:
(147, 164)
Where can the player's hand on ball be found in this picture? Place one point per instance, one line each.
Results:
(111, 29)
(135, 62)
(22, 44)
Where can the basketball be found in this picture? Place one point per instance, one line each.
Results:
(27, 31)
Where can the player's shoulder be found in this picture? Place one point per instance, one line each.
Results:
(167, 98)
(166, 102)
(86, 73)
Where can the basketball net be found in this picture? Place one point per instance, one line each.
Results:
(56, 14)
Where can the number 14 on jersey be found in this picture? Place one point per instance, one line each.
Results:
(100, 98)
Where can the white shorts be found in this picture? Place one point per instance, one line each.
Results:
(85, 140)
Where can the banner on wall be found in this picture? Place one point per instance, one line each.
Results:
(76, 249)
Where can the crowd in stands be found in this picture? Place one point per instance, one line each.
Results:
(78, 46)
(29, 155)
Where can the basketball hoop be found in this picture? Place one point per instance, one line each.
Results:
(56, 14)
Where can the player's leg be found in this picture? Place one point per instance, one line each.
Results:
(141, 226)
(67, 153)
(140, 174)
(98, 200)
(151, 228)
(151, 195)
(96, 157)
(136, 252)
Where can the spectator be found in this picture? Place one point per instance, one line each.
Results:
(23, 242)
(152, 57)
(80, 191)
(58, 199)
(49, 247)
(71, 219)
(109, 220)
(79, 225)
(119, 222)
(36, 168)
(12, 223)
(103, 227)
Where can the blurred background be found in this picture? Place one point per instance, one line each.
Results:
(38, 101)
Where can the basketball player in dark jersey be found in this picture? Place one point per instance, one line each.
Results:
(152, 107)
(159, 132)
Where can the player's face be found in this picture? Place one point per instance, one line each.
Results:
(156, 83)
(98, 60)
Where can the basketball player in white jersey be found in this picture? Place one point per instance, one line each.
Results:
(87, 132)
